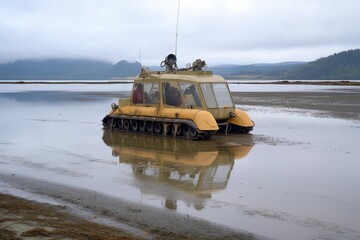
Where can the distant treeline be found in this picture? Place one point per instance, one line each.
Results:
(340, 66)
(67, 69)
(256, 71)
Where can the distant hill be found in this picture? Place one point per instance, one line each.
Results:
(340, 66)
(54, 69)
(255, 71)
(66, 69)
(124, 69)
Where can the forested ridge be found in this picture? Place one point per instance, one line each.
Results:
(340, 66)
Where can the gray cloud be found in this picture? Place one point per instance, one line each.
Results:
(229, 31)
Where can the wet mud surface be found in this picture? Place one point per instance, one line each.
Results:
(296, 176)
(138, 220)
(22, 219)
(343, 105)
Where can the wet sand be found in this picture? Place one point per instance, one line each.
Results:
(329, 83)
(141, 221)
(339, 104)
(24, 219)
(138, 221)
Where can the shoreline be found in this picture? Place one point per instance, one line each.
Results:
(65, 82)
(154, 223)
(285, 82)
(23, 219)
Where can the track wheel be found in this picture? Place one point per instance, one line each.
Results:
(134, 125)
(189, 132)
(193, 132)
(142, 126)
(126, 124)
(113, 124)
(149, 127)
(157, 127)
(185, 130)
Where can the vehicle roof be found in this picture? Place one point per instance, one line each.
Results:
(191, 76)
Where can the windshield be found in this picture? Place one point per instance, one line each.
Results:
(217, 95)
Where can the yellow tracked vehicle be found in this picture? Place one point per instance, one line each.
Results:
(182, 103)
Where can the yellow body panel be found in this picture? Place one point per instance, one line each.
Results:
(139, 111)
(241, 119)
(203, 119)
(124, 102)
(170, 112)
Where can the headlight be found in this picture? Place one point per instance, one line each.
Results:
(232, 115)
(114, 106)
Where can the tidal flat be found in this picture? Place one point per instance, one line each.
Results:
(296, 176)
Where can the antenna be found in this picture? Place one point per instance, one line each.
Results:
(177, 27)
(140, 56)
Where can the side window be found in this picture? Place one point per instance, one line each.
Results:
(172, 94)
(138, 93)
(190, 95)
(209, 95)
(222, 95)
(151, 93)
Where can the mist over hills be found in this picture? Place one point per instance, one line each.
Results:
(67, 69)
(340, 66)
(54, 69)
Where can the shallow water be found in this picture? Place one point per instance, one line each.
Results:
(127, 87)
(296, 176)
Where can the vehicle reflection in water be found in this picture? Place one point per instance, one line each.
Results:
(197, 168)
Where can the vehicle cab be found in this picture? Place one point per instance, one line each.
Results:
(186, 103)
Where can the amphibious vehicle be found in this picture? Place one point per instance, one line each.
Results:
(183, 103)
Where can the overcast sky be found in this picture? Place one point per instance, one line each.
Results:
(218, 31)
